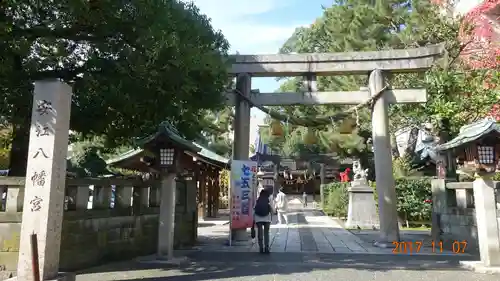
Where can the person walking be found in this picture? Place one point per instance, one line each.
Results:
(262, 219)
(304, 199)
(281, 207)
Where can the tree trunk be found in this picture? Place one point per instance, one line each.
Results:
(394, 146)
(19, 149)
(21, 120)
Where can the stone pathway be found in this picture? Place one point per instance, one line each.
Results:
(289, 267)
(309, 231)
(311, 247)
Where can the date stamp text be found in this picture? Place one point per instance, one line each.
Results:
(414, 247)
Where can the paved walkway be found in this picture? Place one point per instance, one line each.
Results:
(308, 230)
(216, 266)
(311, 247)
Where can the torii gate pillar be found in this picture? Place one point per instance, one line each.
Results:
(387, 200)
(241, 142)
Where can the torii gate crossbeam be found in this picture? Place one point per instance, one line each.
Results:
(376, 64)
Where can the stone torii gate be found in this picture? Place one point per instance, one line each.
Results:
(376, 64)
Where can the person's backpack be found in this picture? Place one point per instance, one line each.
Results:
(262, 208)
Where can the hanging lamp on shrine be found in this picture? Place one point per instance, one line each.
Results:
(276, 128)
(310, 138)
(334, 146)
(349, 124)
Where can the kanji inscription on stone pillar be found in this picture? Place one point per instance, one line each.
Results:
(45, 178)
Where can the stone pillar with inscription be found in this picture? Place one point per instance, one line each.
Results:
(45, 181)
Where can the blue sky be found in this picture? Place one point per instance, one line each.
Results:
(260, 27)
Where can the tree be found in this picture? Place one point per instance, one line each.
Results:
(132, 64)
(362, 25)
(458, 91)
(217, 130)
(346, 26)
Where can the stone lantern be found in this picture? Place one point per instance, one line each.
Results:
(171, 161)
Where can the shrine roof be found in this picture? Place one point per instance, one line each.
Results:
(207, 153)
(130, 160)
(168, 130)
(124, 156)
(204, 155)
(471, 132)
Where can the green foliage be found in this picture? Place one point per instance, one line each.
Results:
(86, 161)
(5, 140)
(217, 127)
(413, 199)
(454, 91)
(4, 158)
(131, 64)
(495, 177)
(88, 157)
(402, 167)
(457, 94)
(337, 199)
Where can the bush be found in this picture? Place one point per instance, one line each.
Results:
(414, 199)
(336, 199)
(4, 158)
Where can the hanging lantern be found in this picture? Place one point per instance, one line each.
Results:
(334, 146)
(310, 137)
(276, 128)
(347, 126)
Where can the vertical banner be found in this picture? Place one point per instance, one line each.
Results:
(243, 188)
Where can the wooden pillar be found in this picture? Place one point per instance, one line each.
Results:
(210, 191)
(216, 193)
(202, 192)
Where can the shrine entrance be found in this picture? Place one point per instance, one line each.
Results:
(378, 96)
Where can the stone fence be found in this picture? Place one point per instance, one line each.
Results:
(104, 220)
(466, 211)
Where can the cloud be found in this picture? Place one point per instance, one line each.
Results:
(241, 21)
(246, 25)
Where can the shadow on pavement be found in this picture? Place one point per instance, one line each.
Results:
(215, 266)
(208, 263)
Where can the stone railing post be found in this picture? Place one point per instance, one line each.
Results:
(464, 198)
(439, 205)
(487, 223)
(102, 197)
(82, 197)
(144, 194)
(123, 197)
(14, 200)
(140, 198)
